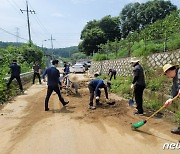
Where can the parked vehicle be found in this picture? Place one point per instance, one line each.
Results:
(78, 68)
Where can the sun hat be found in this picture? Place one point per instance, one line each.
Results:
(134, 60)
(73, 78)
(166, 67)
(96, 74)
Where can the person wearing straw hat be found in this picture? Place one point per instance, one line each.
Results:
(94, 87)
(173, 71)
(138, 85)
(71, 81)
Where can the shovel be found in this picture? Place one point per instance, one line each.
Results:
(131, 101)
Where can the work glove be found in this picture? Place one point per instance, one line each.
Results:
(132, 86)
(168, 102)
(97, 97)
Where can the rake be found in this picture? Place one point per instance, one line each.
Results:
(141, 123)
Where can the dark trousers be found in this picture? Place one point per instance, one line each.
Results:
(138, 92)
(18, 80)
(92, 90)
(49, 92)
(113, 74)
(34, 76)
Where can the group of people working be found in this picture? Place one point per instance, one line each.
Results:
(55, 81)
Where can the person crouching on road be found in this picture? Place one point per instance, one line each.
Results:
(138, 85)
(112, 72)
(71, 82)
(53, 81)
(172, 71)
(94, 87)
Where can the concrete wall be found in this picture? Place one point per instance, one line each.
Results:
(123, 67)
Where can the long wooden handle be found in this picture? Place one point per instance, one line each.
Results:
(160, 109)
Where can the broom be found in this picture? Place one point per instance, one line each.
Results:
(141, 123)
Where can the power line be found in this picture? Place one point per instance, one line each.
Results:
(17, 33)
(12, 34)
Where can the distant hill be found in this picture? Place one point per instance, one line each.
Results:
(6, 44)
(62, 52)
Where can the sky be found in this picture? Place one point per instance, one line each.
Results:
(63, 19)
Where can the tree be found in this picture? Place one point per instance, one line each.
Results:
(111, 27)
(135, 16)
(92, 39)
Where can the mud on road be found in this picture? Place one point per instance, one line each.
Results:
(26, 128)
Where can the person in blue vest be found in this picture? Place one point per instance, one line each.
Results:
(15, 71)
(53, 81)
(94, 87)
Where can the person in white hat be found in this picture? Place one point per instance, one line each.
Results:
(173, 71)
(138, 85)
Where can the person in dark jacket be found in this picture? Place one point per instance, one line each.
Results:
(37, 71)
(173, 71)
(94, 87)
(112, 72)
(138, 85)
(15, 70)
(53, 81)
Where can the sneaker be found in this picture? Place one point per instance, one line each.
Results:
(22, 91)
(47, 109)
(99, 104)
(65, 103)
(176, 131)
(92, 107)
(137, 113)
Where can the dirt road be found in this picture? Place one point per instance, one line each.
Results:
(25, 127)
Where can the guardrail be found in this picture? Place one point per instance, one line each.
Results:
(22, 75)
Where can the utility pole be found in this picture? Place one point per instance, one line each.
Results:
(51, 41)
(27, 11)
(52, 45)
(17, 34)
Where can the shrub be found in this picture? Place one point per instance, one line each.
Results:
(99, 57)
(177, 116)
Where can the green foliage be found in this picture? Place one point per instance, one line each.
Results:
(62, 52)
(25, 56)
(121, 85)
(99, 57)
(177, 116)
(136, 16)
(145, 28)
(152, 104)
(99, 32)
(78, 55)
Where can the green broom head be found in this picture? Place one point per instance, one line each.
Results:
(139, 124)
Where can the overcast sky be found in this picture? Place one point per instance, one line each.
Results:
(64, 19)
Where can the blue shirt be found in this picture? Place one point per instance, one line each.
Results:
(15, 70)
(98, 83)
(53, 76)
